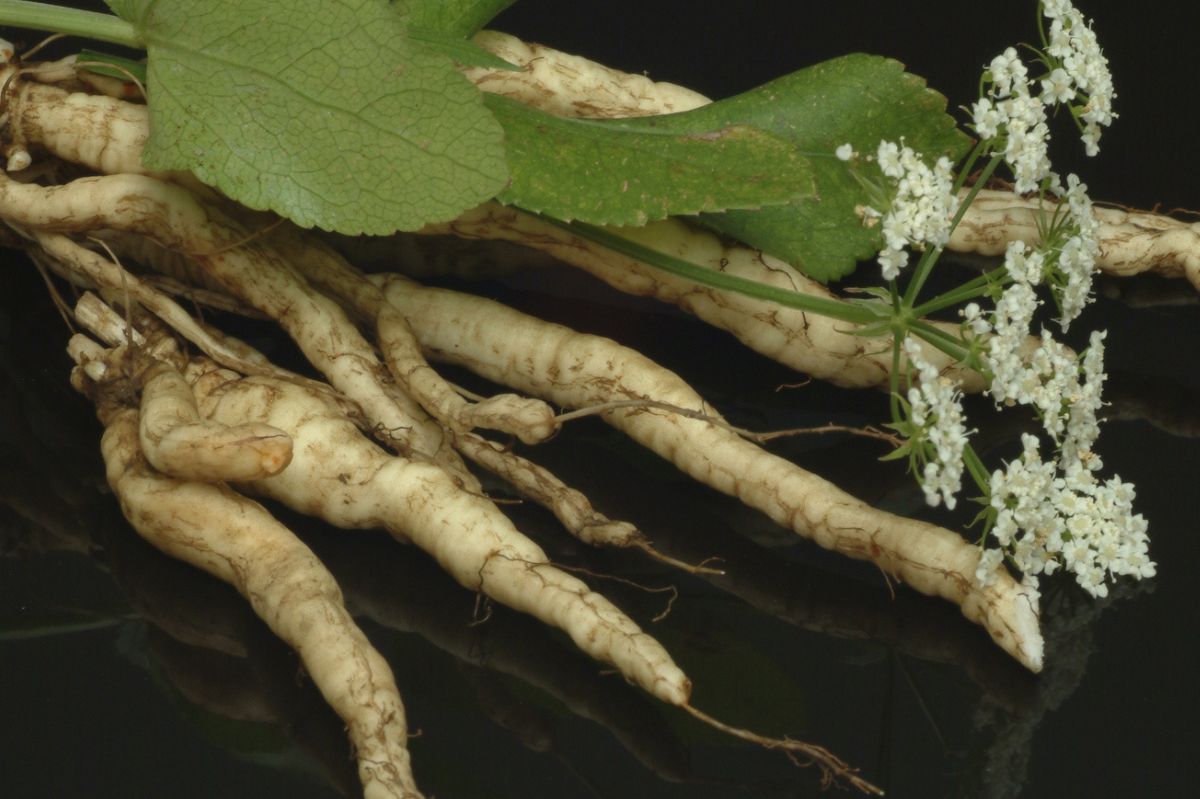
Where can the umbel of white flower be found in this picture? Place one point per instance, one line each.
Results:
(1047, 519)
(936, 415)
(923, 207)
(1077, 76)
(1044, 515)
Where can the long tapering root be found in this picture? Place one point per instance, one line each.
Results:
(574, 370)
(236, 540)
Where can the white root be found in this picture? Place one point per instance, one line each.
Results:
(103, 133)
(89, 356)
(95, 316)
(1131, 242)
(342, 477)
(178, 443)
(808, 342)
(117, 282)
(528, 419)
(577, 370)
(179, 221)
(235, 539)
(569, 85)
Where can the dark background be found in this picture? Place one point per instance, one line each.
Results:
(903, 688)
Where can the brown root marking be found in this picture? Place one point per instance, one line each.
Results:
(834, 770)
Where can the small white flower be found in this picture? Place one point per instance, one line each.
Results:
(989, 566)
(1053, 9)
(986, 118)
(1058, 86)
(845, 152)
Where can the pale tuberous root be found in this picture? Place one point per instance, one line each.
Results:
(340, 476)
(528, 419)
(235, 539)
(1131, 241)
(816, 345)
(254, 273)
(575, 370)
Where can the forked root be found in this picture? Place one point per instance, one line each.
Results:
(576, 370)
(236, 540)
(528, 419)
(571, 507)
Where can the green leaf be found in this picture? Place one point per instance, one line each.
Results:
(461, 18)
(463, 52)
(321, 110)
(859, 99)
(630, 172)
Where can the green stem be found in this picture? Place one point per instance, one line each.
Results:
(894, 378)
(967, 291)
(943, 341)
(836, 309)
(979, 472)
(926, 265)
(72, 21)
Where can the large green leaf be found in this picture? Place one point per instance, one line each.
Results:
(628, 172)
(859, 99)
(321, 110)
(454, 17)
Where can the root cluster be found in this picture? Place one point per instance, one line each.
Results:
(197, 422)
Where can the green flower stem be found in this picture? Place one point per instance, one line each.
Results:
(972, 157)
(894, 378)
(836, 309)
(978, 471)
(72, 21)
(942, 340)
(977, 287)
(926, 264)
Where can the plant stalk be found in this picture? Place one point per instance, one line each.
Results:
(71, 21)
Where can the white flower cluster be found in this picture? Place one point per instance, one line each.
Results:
(1076, 262)
(936, 413)
(1077, 69)
(1048, 377)
(1011, 110)
(1084, 70)
(1048, 519)
(923, 207)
